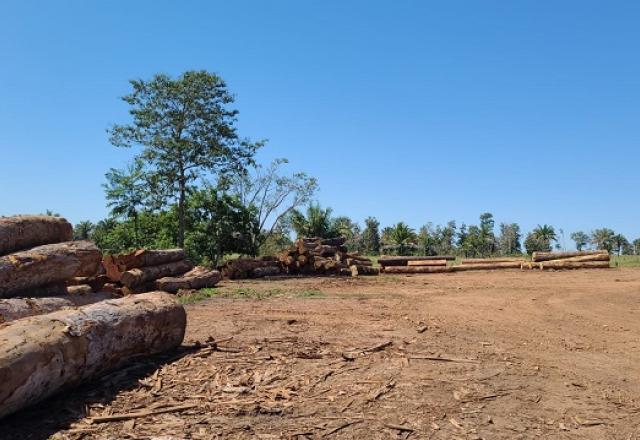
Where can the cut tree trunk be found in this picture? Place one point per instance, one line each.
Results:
(357, 270)
(268, 271)
(337, 241)
(545, 256)
(197, 278)
(142, 275)
(562, 264)
(358, 262)
(402, 261)
(594, 257)
(44, 354)
(16, 308)
(148, 257)
(47, 264)
(26, 231)
(427, 263)
(418, 269)
(491, 260)
(488, 266)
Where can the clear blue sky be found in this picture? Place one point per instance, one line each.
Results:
(405, 110)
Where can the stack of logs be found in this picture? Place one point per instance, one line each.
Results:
(598, 259)
(425, 264)
(146, 270)
(241, 268)
(324, 256)
(51, 343)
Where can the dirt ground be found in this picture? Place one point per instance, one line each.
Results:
(494, 355)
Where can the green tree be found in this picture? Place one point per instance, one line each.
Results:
(509, 240)
(487, 236)
(345, 227)
(620, 244)
(427, 241)
(126, 193)
(402, 238)
(83, 230)
(316, 223)
(370, 240)
(581, 239)
(636, 246)
(186, 130)
(603, 239)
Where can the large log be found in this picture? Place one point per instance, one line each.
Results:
(402, 261)
(562, 264)
(337, 241)
(418, 269)
(427, 263)
(142, 275)
(197, 278)
(359, 262)
(594, 257)
(491, 260)
(16, 308)
(357, 270)
(268, 271)
(148, 257)
(488, 266)
(26, 231)
(44, 354)
(545, 256)
(47, 264)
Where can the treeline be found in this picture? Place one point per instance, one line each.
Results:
(194, 183)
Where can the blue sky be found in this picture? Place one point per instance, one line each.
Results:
(404, 110)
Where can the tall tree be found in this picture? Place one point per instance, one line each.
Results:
(620, 244)
(580, 239)
(316, 223)
(186, 130)
(370, 240)
(126, 193)
(487, 236)
(402, 238)
(83, 230)
(510, 239)
(636, 246)
(272, 195)
(603, 239)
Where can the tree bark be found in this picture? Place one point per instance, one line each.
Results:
(357, 270)
(545, 256)
(402, 261)
(563, 264)
(427, 263)
(594, 257)
(418, 269)
(26, 231)
(268, 271)
(16, 308)
(148, 257)
(359, 262)
(42, 355)
(488, 266)
(47, 264)
(491, 260)
(197, 278)
(136, 277)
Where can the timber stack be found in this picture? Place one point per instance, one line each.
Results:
(324, 256)
(424, 264)
(596, 259)
(146, 270)
(242, 268)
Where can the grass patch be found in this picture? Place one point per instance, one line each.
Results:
(200, 295)
(248, 293)
(625, 261)
(310, 293)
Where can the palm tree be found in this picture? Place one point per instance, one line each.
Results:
(402, 237)
(126, 192)
(620, 243)
(83, 230)
(603, 238)
(316, 223)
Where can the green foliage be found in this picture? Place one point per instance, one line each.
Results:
(83, 230)
(186, 130)
(580, 239)
(603, 239)
(509, 240)
(370, 239)
(316, 223)
(399, 238)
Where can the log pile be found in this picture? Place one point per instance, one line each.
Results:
(145, 270)
(424, 264)
(598, 259)
(242, 268)
(324, 256)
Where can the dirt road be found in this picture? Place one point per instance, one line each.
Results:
(495, 355)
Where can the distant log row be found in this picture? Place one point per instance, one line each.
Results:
(418, 269)
(426, 263)
(43, 354)
(402, 261)
(26, 231)
(47, 264)
(491, 260)
(363, 270)
(545, 256)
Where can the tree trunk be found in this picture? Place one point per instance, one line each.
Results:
(197, 278)
(25, 231)
(418, 269)
(47, 264)
(16, 308)
(489, 266)
(427, 263)
(491, 260)
(181, 201)
(148, 257)
(402, 261)
(357, 270)
(142, 275)
(594, 257)
(546, 256)
(563, 264)
(359, 262)
(42, 355)
(268, 271)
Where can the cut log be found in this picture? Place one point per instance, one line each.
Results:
(44, 354)
(142, 275)
(402, 261)
(488, 266)
(594, 257)
(197, 278)
(337, 241)
(545, 256)
(47, 264)
(148, 257)
(268, 271)
(357, 270)
(26, 231)
(324, 251)
(79, 290)
(418, 269)
(16, 308)
(562, 264)
(491, 260)
(427, 263)
(358, 262)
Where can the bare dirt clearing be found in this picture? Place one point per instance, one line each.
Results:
(506, 354)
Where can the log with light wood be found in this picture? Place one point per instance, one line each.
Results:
(595, 257)
(491, 260)
(26, 231)
(44, 354)
(402, 261)
(427, 263)
(116, 265)
(563, 264)
(488, 266)
(357, 270)
(47, 264)
(197, 278)
(141, 275)
(417, 269)
(16, 308)
(359, 262)
(545, 256)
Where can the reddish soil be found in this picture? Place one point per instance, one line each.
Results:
(495, 355)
